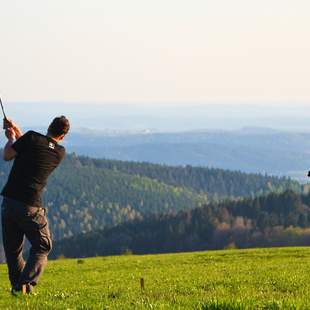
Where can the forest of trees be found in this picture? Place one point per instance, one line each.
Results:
(216, 182)
(273, 220)
(87, 194)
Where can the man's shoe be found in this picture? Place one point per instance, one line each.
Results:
(19, 290)
(29, 288)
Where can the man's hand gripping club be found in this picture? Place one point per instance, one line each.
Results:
(10, 125)
(12, 132)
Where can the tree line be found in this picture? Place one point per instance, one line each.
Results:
(216, 182)
(86, 194)
(272, 220)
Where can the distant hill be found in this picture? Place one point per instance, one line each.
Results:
(217, 183)
(274, 220)
(257, 150)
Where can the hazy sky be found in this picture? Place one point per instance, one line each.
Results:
(155, 51)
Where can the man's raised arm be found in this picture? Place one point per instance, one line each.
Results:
(9, 153)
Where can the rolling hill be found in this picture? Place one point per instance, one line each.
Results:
(252, 150)
(86, 194)
(273, 220)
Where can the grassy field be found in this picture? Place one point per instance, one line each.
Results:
(232, 279)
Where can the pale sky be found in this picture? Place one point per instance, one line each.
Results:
(155, 51)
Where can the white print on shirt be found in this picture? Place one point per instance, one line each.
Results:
(51, 145)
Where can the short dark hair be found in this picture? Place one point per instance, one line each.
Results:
(59, 126)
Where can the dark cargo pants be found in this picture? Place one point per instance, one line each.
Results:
(19, 220)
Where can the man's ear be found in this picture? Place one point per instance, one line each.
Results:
(61, 137)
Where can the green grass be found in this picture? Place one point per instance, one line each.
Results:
(234, 279)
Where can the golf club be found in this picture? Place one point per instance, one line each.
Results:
(2, 109)
(4, 116)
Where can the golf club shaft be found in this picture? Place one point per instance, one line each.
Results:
(2, 109)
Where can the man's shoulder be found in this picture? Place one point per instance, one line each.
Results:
(26, 138)
(61, 151)
(40, 138)
(37, 136)
(32, 133)
(60, 148)
(56, 147)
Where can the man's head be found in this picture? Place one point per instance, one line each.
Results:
(58, 128)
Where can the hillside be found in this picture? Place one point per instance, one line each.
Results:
(215, 182)
(85, 194)
(274, 220)
(82, 198)
(217, 280)
(255, 150)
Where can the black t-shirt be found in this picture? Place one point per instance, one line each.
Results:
(37, 156)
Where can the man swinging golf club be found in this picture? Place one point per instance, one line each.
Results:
(35, 157)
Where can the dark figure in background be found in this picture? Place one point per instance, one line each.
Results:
(23, 214)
